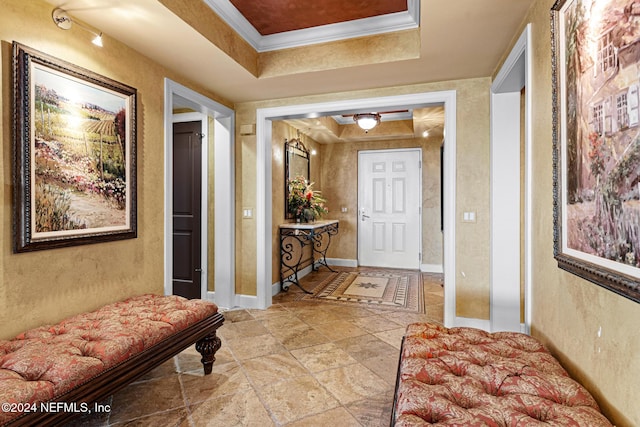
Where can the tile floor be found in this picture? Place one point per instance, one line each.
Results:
(298, 363)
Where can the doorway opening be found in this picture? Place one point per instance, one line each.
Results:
(263, 214)
(511, 178)
(218, 275)
(187, 210)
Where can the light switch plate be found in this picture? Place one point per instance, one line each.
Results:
(469, 217)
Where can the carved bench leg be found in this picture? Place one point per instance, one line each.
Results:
(207, 347)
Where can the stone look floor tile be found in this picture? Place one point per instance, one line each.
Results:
(353, 311)
(273, 311)
(322, 357)
(240, 409)
(147, 397)
(393, 337)
(433, 299)
(365, 347)
(300, 363)
(436, 313)
(298, 305)
(191, 360)
(319, 317)
(94, 419)
(299, 398)
(176, 417)
(235, 316)
(281, 323)
(223, 356)
(374, 411)
(168, 368)
(375, 323)
(385, 366)
(241, 330)
(338, 417)
(300, 337)
(256, 346)
(263, 371)
(340, 329)
(352, 383)
(404, 318)
(223, 380)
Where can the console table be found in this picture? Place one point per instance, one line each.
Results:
(294, 237)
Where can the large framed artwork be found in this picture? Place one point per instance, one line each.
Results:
(596, 137)
(74, 177)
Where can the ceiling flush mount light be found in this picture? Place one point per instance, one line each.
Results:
(64, 21)
(367, 121)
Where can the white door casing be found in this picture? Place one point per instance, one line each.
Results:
(224, 241)
(506, 216)
(389, 208)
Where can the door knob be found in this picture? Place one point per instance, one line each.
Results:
(198, 270)
(365, 216)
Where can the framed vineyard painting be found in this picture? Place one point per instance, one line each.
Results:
(596, 137)
(74, 154)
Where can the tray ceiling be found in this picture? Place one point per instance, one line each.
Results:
(279, 24)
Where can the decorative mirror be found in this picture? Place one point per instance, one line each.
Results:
(296, 163)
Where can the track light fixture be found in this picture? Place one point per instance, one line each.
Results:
(64, 21)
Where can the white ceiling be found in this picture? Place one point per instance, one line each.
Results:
(459, 40)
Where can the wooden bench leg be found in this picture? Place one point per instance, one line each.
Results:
(207, 347)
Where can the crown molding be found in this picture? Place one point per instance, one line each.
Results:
(326, 33)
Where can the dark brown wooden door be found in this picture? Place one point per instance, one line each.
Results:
(187, 209)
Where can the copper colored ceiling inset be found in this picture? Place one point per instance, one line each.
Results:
(277, 16)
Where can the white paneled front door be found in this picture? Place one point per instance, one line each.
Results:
(389, 208)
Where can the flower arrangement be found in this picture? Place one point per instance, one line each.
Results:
(304, 203)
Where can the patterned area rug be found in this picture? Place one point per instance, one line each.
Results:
(387, 289)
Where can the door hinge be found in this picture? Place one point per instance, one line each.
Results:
(419, 164)
(419, 256)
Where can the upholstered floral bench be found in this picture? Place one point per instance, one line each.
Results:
(468, 377)
(52, 373)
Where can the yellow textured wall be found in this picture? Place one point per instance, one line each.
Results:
(592, 331)
(472, 240)
(340, 187)
(46, 286)
(280, 131)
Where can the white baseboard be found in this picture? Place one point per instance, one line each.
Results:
(240, 301)
(246, 301)
(210, 296)
(276, 288)
(432, 268)
(342, 262)
(485, 325)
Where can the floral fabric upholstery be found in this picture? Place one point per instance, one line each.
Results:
(468, 377)
(45, 362)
